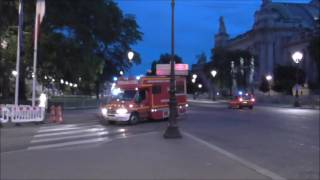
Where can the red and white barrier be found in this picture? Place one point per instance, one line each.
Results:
(4, 114)
(21, 113)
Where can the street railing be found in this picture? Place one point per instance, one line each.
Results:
(21, 113)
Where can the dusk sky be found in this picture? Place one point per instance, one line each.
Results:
(196, 23)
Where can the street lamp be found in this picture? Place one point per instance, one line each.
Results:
(200, 86)
(194, 76)
(269, 78)
(297, 58)
(172, 131)
(121, 73)
(14, 73)
(193, 81)
(213, 74)
(130, 55)
(4, 44)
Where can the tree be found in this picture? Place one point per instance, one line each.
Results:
(264, 85)
(86, 40)
(285, 78)
(164, 59)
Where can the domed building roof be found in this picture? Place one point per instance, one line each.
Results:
(274, 14)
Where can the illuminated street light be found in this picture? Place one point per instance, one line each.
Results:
(213, 73)
(45, 77)
(70, 84)
(115, 79)
(194, 76)
(269, 78)
(67, 83)
(53, 80)
(4, 44)
(14, 73)
(130, 55)
(121, 73)
(75, 85)
(193, 81)
(199, 86)
(297, 58)
(138, 77)
(61, 81)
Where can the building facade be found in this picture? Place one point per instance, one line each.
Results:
(279, 30)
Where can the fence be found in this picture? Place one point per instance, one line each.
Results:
(21, 113)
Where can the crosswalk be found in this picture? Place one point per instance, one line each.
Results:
(66, 135)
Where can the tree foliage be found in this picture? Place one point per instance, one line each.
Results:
(86, 40)
(264, 85)
(285, 77)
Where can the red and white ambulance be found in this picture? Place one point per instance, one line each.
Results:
(144, 98)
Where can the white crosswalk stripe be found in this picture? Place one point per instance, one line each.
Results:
(57, 136)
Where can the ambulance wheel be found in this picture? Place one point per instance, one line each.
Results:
(134, 118)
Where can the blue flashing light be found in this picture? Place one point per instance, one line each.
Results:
(240, 93)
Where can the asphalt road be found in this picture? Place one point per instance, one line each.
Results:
(282, 140)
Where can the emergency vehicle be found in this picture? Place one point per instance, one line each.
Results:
(144, 98)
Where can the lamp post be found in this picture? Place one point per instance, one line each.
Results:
(213, 74)
(297, 58)
(172, 131)
(269, 78)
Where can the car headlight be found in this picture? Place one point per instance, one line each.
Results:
(122, 111)
(104, 111)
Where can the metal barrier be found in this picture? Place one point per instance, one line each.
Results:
(21, 113)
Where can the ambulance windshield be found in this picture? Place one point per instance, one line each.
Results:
(126, 95)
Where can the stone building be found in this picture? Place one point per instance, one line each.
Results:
(279, 30)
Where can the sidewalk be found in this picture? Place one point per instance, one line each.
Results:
(146, 156)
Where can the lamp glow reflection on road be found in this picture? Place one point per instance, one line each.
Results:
(121, 130)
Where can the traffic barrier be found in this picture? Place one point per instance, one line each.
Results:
(59, 117)
(52, 114)
(4, 114)
(21, 113)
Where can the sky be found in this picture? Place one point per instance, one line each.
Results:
(196, 23)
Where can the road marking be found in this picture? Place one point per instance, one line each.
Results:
(246, 163)
(68, 143)
(75, 131)
(69, 137)
(68, 125)
(65, 128)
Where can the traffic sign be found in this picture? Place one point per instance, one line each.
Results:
(164, 69)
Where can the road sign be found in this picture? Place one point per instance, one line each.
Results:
(180, 69)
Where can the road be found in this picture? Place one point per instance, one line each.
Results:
(284, 141)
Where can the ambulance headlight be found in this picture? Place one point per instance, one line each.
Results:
(104, 111)
(122, 111)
